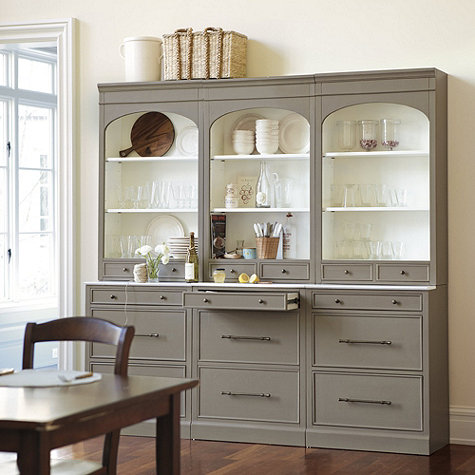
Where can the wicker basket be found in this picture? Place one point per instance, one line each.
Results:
(212, 53)
(267, 247)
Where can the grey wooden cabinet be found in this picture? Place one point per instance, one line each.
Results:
(362, 362)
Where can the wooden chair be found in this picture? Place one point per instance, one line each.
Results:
(86, 329)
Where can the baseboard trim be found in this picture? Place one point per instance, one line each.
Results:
(462, 425)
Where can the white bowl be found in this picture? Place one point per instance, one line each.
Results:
(243, 148)
(267, 147)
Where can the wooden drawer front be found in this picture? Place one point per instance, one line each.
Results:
(121, 270)
(368, 302)
(372, 401)
(249, 337)
(251, 395)
(368, 342)
(233, 270)
(396, 273)
(339, 272)
(284, 271)
(135, 370)
(237, 300)
(173, 271)
(156, 296)
(158, 335)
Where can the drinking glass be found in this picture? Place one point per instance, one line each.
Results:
(352, 196)
(398, 249)
(368, 195)
(368, 134)
(346, 134)
(124, 246)
(337, 193)
(386, 250)
(389, 133)
(374, 248)
(283, 192)
(401, 196)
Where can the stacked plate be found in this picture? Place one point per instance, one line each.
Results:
(267, 135)
(243, 141)
(179, 245)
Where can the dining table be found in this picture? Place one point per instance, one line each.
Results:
(36, 420)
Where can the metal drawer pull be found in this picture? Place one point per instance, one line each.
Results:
(284, 271)
(403, 272)
(152, 335)
(124, 269)
(232, 271)
(229, 393)
(237, 337)
(347, 272)
(364, 401)
(174, 269)
(113, 297)
(260, 301)
(337, 301)
(162, 297)
(394, 302)
(205, 300)
(371, 342)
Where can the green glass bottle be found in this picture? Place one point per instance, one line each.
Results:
(191, 261)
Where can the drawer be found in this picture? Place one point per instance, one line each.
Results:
(247, 337)
(411, 302)
(154, 296)
(347, 272)
(172, 271)
(402, 273)
(158, 334)
(285, 271)
(119, 270)
(389, 342)
(370, 401)
(233, 270)
(241, 300)
(136, 370)
(249, 395)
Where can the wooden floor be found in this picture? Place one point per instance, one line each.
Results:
(136, 457)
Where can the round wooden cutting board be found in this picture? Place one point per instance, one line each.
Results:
(152, 135)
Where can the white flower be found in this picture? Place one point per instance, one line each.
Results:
(165, 259)
(144, 250)
(162, 249)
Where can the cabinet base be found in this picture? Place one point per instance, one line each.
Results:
(381, 442)
(248, 433)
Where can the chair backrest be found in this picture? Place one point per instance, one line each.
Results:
(87, 329)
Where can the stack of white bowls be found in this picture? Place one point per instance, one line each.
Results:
(243, 141)
(267, 135)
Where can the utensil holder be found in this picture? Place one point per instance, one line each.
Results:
(267, 247)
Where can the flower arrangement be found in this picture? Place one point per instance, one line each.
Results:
(153, 257)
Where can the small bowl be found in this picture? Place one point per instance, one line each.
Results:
(249, 253)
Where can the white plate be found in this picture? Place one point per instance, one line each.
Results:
(187, 141)
(294, 134)
(163, 227)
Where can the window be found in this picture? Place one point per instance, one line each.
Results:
(28, 178)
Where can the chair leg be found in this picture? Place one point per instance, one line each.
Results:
(111, 450)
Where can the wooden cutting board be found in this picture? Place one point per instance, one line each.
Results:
(152, 135)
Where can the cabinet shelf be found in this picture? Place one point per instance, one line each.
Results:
(267, 157)
(381, 153)
(371, 208)
(260, 210)
(152, 210)
(151, 159)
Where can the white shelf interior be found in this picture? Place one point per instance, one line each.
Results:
(264, 156)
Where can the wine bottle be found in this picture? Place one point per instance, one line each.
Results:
(191, 261)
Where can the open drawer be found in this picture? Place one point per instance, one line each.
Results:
(241, 300)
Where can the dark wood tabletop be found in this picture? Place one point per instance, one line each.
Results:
(50, 417)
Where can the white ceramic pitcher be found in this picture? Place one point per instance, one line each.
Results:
(142, 58)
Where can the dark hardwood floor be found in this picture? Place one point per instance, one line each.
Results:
(136, 457)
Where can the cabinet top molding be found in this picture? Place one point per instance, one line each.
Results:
(318, 78)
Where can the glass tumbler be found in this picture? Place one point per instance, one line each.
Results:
(368, 134)
(389, 133)
(346, 134)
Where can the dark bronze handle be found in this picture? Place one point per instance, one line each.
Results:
(369, 342)
(237, 337)
(337, 301)
(403, 272)
(173, 269)
(205, 300)
(260, 301)
(162, 297)
(124, 269)
(364, 401)
(232, 271)
(284, 271)
(229, 393)
(113, 297)
(347, 272)
(394, 301)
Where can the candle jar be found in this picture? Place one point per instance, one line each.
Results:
(389, 133)
(219, 276)
(368, 134)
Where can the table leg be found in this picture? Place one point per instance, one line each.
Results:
(33, 456)
(167, 444)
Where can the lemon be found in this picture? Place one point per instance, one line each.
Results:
(243, 278)
(254, 279)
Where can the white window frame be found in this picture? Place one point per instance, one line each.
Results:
(63, 33)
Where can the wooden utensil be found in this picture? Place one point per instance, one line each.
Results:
(152, 135)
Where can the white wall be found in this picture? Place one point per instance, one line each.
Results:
(300, 37)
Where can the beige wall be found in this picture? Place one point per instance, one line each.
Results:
(298, 37)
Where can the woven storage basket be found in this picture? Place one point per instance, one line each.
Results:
(212, 53)
(267, 247)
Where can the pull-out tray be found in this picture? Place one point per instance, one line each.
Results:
(241, 300)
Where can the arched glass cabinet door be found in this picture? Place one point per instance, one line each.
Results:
(260, 186)
(151, 194)
(376, 184)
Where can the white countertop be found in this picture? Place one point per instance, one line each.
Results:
(235, 285)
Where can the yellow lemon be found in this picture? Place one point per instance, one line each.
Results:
(254, 279)
(244, 278)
